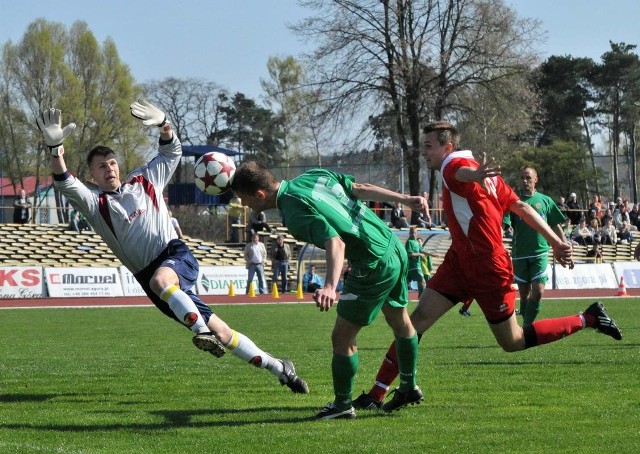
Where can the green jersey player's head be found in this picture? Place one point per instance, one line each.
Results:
(255, 185)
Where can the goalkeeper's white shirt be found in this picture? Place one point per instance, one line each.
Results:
(134, 220)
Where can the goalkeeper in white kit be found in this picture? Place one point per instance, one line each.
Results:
(132, 218)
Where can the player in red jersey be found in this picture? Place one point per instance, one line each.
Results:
(477, 265)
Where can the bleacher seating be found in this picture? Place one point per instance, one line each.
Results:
(52, 245)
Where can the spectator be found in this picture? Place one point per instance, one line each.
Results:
(595, 253)
(507, 230)
(609, 233)
(235, 210)
(567, 228)
(254, 256)
(21, 208)
(562, 204)
(608, 214)
(424, 217)
(280, 256)
(398, 218)
(619, 203)
(618, 216)
(633, 215)
(376, 207)
(595, 209)
(574, 209)
(582, 234)
(311, 281)
(176, 225)
(78, 222)
(596, 229)
(626, 235)
(258, 222)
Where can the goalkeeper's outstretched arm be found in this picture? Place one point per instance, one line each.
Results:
(50, 123)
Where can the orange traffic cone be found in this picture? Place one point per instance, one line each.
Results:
(274, 291)
(299, 293)
(232, 289)
(252, 290)
(622, 290)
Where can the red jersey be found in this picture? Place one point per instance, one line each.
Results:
(474, 214)
(477, 265)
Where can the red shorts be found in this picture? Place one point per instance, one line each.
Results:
(487, 279)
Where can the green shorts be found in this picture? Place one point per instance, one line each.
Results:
(415, 274)
(365, 291)
(530, 269)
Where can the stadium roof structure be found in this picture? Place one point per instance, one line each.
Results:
(199, 150)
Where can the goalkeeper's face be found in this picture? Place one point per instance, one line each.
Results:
(105, 172)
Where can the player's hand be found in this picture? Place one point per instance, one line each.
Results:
(324, 298)
(563, 253)
(486, 170)
(417, 203)
(148, 113)
(50, 123)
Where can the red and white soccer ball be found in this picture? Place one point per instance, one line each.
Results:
(214, 173)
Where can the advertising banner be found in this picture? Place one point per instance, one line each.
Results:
(586, 276)
(21, 282)
(130, 286)
(630, 271)
(215, 280)
(83, 282)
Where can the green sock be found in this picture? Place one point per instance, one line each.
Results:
(407, 351)
(523, 307)
(344, 373)
(533, 309)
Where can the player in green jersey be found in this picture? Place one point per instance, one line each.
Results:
(530, 250)
(415, 254)
(325, 208)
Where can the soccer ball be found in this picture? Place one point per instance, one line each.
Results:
(214, 173)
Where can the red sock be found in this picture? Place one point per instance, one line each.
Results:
(386, 374)
(553, 329)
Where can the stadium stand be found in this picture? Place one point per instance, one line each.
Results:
(52, 245)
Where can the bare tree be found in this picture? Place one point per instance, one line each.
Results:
(416, 56)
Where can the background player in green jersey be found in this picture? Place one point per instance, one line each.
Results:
(415, 254)
(325, 208)
(530, 250)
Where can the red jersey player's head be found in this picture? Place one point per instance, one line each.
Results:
(438, 140)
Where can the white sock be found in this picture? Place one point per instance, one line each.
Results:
(184, 308)
(241, 346)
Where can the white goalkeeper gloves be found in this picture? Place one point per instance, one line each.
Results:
(149, 114)
(51, 126)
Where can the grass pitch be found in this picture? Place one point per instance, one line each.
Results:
(128, 380)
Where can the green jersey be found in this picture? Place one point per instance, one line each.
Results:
(527, 242)
(413, 246)
(319, 205)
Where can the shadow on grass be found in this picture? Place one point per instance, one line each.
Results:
(12, 398)
(177, 419)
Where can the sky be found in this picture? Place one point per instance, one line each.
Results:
(229, 41)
